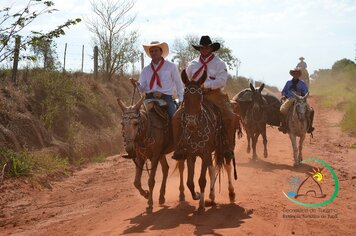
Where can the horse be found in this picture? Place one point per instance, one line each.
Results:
(144, 137)
(254, 121)
(200, 130)
(297, 122)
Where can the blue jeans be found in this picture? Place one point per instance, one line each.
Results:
(171, 108)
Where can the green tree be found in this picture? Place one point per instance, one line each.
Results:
(117, 47)
(342, 64)
(13, 23)
(45, 52)
(184, 52)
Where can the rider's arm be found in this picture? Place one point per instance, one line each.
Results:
(285, 90)
(178, 82)
(217, 76)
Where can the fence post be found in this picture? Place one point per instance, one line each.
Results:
(16, 58)
(64, 59)
(142, 61)
(82, 57)
(96, 62)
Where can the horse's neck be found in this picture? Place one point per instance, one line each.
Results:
(144, 126)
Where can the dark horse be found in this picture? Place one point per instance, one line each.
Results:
(144, 137)
(254, 121)
(201, 131)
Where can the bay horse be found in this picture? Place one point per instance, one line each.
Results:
(255, 121)
(144, 137)
(201, 130)
(297, 122)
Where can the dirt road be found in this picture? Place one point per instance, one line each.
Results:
(101, 199)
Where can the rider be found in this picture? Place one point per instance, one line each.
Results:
(297, 86)
(160, 78)
(302, 65)
(212, 88)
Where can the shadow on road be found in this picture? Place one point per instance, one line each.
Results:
(218, 217)
(270, 166)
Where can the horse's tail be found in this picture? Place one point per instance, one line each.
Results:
(219, 151)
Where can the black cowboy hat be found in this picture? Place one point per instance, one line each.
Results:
(206, 41)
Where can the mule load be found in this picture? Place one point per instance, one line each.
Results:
(271, 104)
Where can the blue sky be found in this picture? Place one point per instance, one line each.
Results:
(268, 37)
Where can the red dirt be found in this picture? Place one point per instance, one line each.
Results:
(101, 199)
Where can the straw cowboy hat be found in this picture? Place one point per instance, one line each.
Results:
(206, 41)
(295, 73)
(301, 58)
(163, 46)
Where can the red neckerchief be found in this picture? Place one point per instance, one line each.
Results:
(155, 74)
(204, 65)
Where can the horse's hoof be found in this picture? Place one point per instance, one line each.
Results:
(196, 196)
(201, 210)
(149, 210)
(145, 194)
(232, 197)
(181, 198)
(161, 200)
(265, 155)
(212, 197)
(210, 203)
(248, 150)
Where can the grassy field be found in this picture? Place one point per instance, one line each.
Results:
(337, 89)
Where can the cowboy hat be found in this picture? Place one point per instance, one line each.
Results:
(206, 41)
(163, 46)
(295, 73)
(301, 58)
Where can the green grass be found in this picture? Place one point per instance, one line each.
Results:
(337, 90)
(26, 164)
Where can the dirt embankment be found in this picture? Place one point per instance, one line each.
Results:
(101, 199)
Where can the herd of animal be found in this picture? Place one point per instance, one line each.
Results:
(144, 129)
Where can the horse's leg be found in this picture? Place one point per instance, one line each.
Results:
(293, 140)
(264, 136)
(138, 175)
(202, 184)
(190, 180)
(248, 136)
(228, 169)
(181, 183)
(212, 183)
(300, 156)
(151, 183)
(165, 169)
(254, 144)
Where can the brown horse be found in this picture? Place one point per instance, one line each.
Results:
(201, 131)
(144, 137)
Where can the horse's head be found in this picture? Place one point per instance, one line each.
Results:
(193, 99)
(257, 101)
(301, 106)
(130, 123)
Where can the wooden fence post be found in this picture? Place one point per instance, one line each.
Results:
(96, 50)
(82, 57)
(64, 59)
(16, 58)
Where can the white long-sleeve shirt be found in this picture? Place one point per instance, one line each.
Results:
(216, 74)
(169, 77)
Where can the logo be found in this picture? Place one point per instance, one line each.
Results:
(308, 191)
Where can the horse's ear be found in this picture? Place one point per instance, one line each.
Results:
(121, 104)
(202, 78)
(261, 88)
(184, 77)
(252, 88)
(139, 103)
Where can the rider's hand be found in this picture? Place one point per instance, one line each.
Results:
(134, 82)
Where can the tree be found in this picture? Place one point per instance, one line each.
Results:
(45, 52)
(11, 25)
(184, 52)
(117, 47)
(342, 64)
